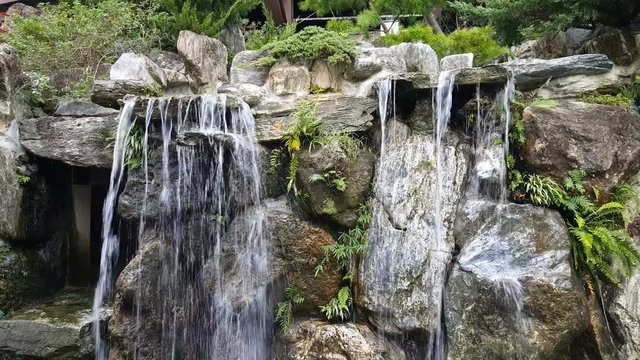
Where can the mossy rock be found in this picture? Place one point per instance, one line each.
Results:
(21, 279)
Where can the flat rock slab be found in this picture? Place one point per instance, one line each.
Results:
(58, 329)
(337, 112)
(530, 73)
(490, 74)
(75, 141)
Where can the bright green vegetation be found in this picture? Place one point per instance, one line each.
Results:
(74, 35)
(208, 17)
(284, 309)
(310, 44)
(517, 20)
(606, 99)
(329, 207)
(478, 41)
(332, 177)
(601, 245)
(135, 148)
(349, 245)
(269, 33)
(24, 179)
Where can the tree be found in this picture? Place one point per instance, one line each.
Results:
(325, 7)
(517, 20)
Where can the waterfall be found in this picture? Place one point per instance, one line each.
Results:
(385, 92)
(443, 102)
(213, 301)
(110, 240)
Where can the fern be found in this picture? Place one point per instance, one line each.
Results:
(316, 178)
(275, 160)
(339, 306)
(340, 184)
(284, 309)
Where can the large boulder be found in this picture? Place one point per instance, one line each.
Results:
(555, 45)
(233, 38)
(574, 86)
(618, 44)
(325, 76)
(530, 73)
(402, 273)
(419, 57)
(512, 293)
(58, 329)
(372, 60)
(624, 315)
(456, 62)
(337, 113)
(205, 59)
(285, 79)
(318, 340)
(83, 108)
(74, 141)
(109, 93)
(600, 139)
(137, 67)
(335, 161)
(245, 70)
(249, 93)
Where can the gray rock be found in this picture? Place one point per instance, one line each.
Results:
(456, 62)
(419, 58)
(287, 79)
(403, 269)
(512, 293)
(11, 167)
(233, 39)
(17, 9)
(205, 58)
(489, 74)
(602, 140)
(372, 60)
(137, 67)
(21, 278)
(83, 108)
(624, 314)
(575, 86)
(356, 166)
(108, 92)
(337, 113)
(168, 61)
(618, 44)
(9, 74)
(74, 141)
(317, 340)
(58, 329)
(555, 45)
(244, 69)
(327, 76)
(249, 93)
(530, 73)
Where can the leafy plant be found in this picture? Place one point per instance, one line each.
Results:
(543, 190)
(23, 179)
(339, 306)
(329, 207)
(269, 32)
(478, 41)
(312, 43)
(332, 178)
(135, 148)
(304, 129)
(284, 309)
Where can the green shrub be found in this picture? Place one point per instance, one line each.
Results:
(344, 26)
(73, 35)
(312, 43)
(478, 41)
(269, 33)
(325, 7)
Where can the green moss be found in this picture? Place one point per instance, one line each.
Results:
(329, 207)
(605, 99)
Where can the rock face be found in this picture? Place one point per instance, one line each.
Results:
(109, 92)
(325, 76)
(74, 141)
(11, 167)
(9, 73)
(619, 45)
(59, 329)
(337, 113)
(137, 67)
(419, 57)
(21, 277)
(556, 45)
(317, 340)
(402, 292)
(456, 62)
(512, 293)
(81, 108)
(530, 73)
(624, 314)
(244, 70)
(287, 79)
(354, 166)
(602, 140)
(205, 58)
(372, 60)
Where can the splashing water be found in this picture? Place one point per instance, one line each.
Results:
(385, 92)
(213, 301)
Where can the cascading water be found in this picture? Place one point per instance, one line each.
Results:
(385, 92)
(214, 302)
